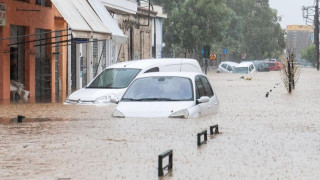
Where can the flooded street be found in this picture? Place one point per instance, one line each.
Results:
(261, 138)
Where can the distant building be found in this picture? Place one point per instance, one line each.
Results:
(299, 37)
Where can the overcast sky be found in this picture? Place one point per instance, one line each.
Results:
(290, 10)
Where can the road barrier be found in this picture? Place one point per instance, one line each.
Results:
(20, 118)
(203, 133)
(161, 157)
(216, 129)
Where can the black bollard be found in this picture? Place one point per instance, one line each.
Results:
(204, 134)
(20, 118)
(160, 158)
(216, 129)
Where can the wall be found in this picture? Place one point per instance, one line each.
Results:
(31, 16)
(141, 37)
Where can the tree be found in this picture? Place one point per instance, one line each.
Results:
(309, 54)
(197, 23)
(241, 26)
(262, 34)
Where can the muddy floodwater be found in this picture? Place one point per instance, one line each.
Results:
(277, 137)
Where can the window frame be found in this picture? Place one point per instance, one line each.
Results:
(202, 84)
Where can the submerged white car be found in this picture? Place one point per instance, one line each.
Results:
(175, 95)
(244, 68)
(226, 67)
(114, 80)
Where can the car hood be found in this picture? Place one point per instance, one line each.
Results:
(152, 109)
(91, 94)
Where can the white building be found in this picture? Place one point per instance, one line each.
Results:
(157, 31)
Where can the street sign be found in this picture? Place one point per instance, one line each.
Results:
(213, 56)
(3, 10)
(225, 51)
(80, 40)
(202, 51)
(243, 55)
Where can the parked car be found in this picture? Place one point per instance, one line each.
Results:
(274, 66)
(168, 94)
(261, 66)
(226, 67)
(114, 80)
(244, 68)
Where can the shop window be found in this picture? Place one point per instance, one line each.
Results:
(24, 1)
(46, 3)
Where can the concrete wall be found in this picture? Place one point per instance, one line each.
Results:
(140, 38)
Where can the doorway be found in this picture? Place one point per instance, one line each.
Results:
(43, 66)
(17, 54)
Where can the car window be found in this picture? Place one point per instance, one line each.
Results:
(199, 88)
(240, 70)
(251, 68)
(155, 69)
(229, 68)
(114, 78)
(224, 66)
(160, 88)
(206, 85)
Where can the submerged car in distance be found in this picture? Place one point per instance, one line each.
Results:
(274, 66)
(168, 94)
(261, 66)
(114, 80)
(245, 68)
(226, 67)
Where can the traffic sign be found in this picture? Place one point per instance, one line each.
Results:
(213, 56)
(243, 55)
(225, 51)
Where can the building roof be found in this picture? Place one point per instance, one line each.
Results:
(299, 28)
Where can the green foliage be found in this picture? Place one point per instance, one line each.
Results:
(249, 26)
(309, 54)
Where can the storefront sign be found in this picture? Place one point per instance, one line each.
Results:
(3, 11)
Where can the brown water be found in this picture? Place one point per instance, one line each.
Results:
(261, 138)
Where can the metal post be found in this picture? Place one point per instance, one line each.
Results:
(316, 32)
(155, 38)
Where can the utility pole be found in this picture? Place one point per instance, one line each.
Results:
(316, 32)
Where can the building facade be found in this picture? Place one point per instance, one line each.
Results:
(299, 37)
(30, 49)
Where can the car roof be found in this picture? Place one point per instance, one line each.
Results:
(230, 63)
(145, 63)
(190, 75)
(244, 64)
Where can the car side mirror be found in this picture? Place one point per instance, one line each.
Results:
(114, 100)
(203, 99)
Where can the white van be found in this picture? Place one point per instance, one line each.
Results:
(114, 80)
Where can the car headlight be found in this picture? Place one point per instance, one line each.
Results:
(102, 100)
(180, 114)
(117, 113)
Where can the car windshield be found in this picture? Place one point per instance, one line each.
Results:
(114, 78)
(240, 70)
(160, 89)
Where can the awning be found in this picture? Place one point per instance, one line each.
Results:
(82, 20)
(102, 12)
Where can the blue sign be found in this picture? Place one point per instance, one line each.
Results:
(225, 51)
(80, 40)
(202, 51)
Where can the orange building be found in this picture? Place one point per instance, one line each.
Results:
(33, 49)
